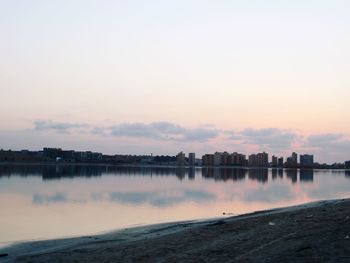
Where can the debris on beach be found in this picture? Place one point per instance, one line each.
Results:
(309, 216)
(228, 214)
(347, 237)
(272, 224)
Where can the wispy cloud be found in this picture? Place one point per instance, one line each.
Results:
(271, 138)
(162, 131)
(63, 127)
(330, 142)
(173, 137)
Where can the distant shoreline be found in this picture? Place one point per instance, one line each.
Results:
(317, 231)
(163, 165)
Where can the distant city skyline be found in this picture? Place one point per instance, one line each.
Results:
(136, 77)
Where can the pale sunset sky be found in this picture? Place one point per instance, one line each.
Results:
(141, 77)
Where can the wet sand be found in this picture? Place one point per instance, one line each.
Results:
(314, 232)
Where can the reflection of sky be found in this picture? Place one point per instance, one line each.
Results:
(157, 199)
(80, 205)
(55, 198)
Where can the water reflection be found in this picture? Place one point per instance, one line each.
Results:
(57, 172)
(306, 175)
(260, 175)
(292, 174)
(87, 199)
(224, 174)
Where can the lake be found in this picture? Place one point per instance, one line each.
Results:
(43, 202)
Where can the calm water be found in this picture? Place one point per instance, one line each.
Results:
(40, 202)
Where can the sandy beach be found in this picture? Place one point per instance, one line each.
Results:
(313, 232)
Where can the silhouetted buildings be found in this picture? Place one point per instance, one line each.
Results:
(306, 160)
(280, 162)
(191, 159)
(208, 160)
(274, 162)
(292, 161)
(347, 164)
(180, 159)
(57, 155)
(259, 160)
(224, 159)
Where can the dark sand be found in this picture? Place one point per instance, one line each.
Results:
(316, 232)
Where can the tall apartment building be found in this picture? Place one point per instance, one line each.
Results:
(191, 159)
(274, 161)
(280, 162)
(180, 159)
(237, 159)
(295, 157)
(306, 160)
(292, 160)
(347, 164)
(208, 159)
(217, 158)
(259, 159)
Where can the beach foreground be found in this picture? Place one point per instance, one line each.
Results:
(314, 232)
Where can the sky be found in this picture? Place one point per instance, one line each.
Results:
(142, 77)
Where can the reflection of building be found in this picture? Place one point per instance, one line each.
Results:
(347, 174)
(180, 172)
(274, 173)
(191, 173)
(292, 174)
(261, 175)
(180, 159)
(306, 175)
(191, 159)
(224, 174)
(306, 160)
(280, 173)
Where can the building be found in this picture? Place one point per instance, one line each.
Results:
(191, 159)
(180, 159)
(280, 162)
(274, 162)
(292, 161)
(217, 158)
(208, 160)
(236, 159)
(347, 164)
(306, 160)
(52, 153)
(225, 158)
(260, 159)
(295, 158)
